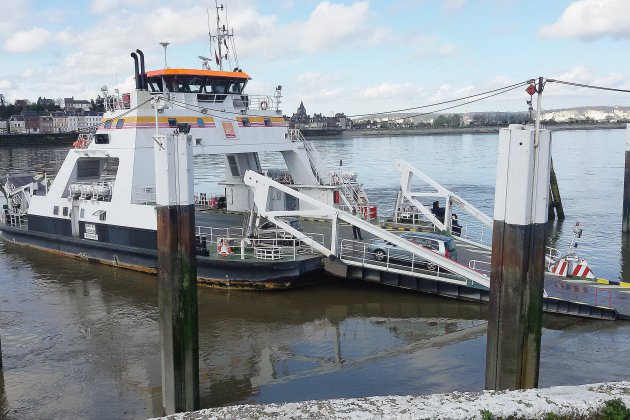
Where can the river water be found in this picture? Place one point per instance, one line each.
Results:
(81, 340)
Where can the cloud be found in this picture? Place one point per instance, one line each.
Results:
(591, 19)
(105, 6)
(14, 14)
(330, 26)
(389, 90)
(431, 46)
(7, 84)
(27, 41)
(453, 5)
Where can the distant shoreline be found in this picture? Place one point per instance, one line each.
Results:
(66, 139)
(28, 140)
(467, 130)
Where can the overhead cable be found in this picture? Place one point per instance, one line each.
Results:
(562, 82)
(443, 102)
(466, 103)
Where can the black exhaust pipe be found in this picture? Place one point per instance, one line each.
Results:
(135, 62)
(143, 75)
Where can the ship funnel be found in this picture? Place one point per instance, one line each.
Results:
(135, 62)
(143, 75)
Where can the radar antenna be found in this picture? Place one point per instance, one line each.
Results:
(205, 62)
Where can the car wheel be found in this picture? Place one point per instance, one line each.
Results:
(379, 255)
(431, 266)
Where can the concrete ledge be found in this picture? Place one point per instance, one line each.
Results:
(530, 404)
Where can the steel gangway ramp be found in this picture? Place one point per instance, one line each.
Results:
(423, 270)
(446, 270)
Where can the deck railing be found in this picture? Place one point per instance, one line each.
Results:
(230, 241)
(359, 252)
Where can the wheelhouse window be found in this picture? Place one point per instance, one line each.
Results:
(172, 122)
(107, 125)
(101, 138)
(246, 122)
(267, 122)
(155, 84)
(120, 123)
(200, 123)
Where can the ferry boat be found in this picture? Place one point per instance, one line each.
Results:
(101, 205)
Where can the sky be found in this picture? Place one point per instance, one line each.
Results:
(336, 56)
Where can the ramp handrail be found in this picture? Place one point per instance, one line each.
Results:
(261, 186)
(408, 172)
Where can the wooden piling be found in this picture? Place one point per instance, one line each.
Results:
(625, 224)
(554, 192)
(518, 248)
(177, 273)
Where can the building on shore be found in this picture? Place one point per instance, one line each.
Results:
(46, 124)
(16, 124)
(30, 121)
(71, 104)
(301, 120)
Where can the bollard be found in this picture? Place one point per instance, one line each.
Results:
(625, 224)
(518, 248)
(177, 273)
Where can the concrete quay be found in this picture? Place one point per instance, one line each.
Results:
(581, 400)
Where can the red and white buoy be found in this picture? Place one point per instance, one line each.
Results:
(571, 266)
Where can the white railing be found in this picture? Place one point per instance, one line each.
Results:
(260, 102)
(143, 195)
(314, 160)
(476, 232)
(359, 252)
(477, 266)
(16, 220)
(206, 201)
(213, 233)
(230, 241)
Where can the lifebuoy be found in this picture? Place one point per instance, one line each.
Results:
(223, 248)
(263, 105)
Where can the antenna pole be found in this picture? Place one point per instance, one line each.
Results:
(165, 44)
(219, 36)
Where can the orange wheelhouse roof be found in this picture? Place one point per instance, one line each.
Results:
(195, 72)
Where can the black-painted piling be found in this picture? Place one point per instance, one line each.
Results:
(518, 248)
(625, 224)
(177, 280)
(177, 272)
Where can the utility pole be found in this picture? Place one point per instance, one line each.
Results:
(518, 256)
(177, 270)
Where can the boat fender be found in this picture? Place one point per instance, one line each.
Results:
(264, 105)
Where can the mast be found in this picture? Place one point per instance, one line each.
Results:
(222, 36)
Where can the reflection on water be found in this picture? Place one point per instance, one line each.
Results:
(81, 340)
(4, 403)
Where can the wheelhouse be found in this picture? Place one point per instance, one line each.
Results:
(197, 81)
